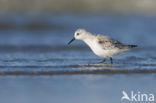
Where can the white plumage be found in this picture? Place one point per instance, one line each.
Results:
(102, 46)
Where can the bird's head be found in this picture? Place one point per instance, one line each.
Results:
(80, 34)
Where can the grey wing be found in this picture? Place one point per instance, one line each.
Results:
(109, 43)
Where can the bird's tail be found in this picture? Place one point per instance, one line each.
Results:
(132, 46)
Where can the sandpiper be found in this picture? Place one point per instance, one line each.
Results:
(102, 46)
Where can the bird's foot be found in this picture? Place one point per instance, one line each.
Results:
(111, 60)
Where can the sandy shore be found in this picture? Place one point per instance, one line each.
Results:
(80, 5)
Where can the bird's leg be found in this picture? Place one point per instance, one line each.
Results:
(102, 61)
(111, 60)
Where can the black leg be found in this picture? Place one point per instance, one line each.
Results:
(111, 60)
(102, 61)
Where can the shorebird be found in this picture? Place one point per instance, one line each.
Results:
(101, 45)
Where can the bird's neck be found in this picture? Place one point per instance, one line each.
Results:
(89, 40)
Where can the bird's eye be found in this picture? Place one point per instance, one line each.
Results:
(78, 34)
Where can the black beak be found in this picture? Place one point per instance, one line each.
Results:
(71, 41)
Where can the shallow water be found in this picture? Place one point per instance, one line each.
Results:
(73, 88)
(37, 65)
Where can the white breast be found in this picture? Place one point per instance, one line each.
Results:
(98, 50)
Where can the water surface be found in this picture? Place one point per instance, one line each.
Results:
(37, 65)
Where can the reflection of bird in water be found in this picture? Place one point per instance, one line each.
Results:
(125, 96)
(102, 46)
